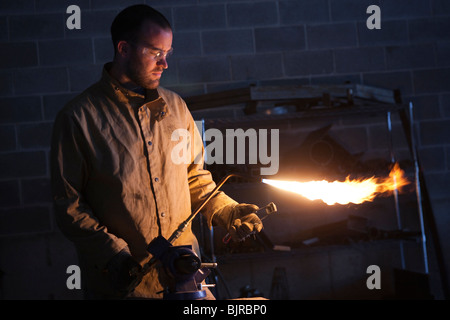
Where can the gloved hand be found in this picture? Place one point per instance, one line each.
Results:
(124, 272)
(239, 220)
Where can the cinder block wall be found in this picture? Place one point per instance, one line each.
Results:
(218, 45)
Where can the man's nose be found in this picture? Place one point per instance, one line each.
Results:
(163, 62)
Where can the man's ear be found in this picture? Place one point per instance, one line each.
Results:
(123, 48)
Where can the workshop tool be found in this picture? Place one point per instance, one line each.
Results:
(269, 209)
(184, 267)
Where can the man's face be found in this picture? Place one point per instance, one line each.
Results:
(147, 59)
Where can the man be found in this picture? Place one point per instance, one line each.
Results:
(115, 184)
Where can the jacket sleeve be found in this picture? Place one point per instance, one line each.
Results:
(69, 174)
(201, 183)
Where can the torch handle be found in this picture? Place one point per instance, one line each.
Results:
(270, 208)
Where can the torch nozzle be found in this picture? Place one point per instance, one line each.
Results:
(268, 209)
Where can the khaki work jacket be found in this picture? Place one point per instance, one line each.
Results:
(126, 169)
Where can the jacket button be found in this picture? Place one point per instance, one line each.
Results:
(149, 143)
(163, 214)
(156, 179)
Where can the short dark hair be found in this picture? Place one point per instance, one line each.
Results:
(128, 22)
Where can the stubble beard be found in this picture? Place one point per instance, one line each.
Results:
(140, 78)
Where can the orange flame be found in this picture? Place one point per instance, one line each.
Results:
(343, 192)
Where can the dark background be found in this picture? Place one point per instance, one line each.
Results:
(219, 45)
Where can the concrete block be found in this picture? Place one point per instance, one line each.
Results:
(252, 14)
(279, 39)
(378, 137)
(114, 4)
(62, 254)
(6, 83)
(443, 54)
(434, 132)
(350, 10)
(431, 159)
(66, 52)
(23, 164)
(24, 220)
(95, 23)
(201, 17)
(32, 27)
(440, 7)
(171, 2)
(4, 28)
(170, 75)
(255, 67)
(215, 1)
(431, 80)
(35, 135)
(8, 141)
(20, 109)
(36, 191)
(429, 29)
(442, 220)
(23, 260)
(35, 267)
(19, 6)
(405, 8)
(59, 6)
(391, 33)
(438, 186)
(331, 35)
(9, 193)
(41, 80)
(205, 69)
(308, 62)
(445, 105)
(300, 12)
(227, 41)
(54, 103)
(426, 107)
(166, 11)
(359, 59)
(400, 144)
(447, 153)
(103, 50)
(18, 55)
(410, 57)
(187, 44)
(83, 76)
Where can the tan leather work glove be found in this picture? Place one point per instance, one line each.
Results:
(239, 220)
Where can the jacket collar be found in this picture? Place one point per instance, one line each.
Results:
(152, 99)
